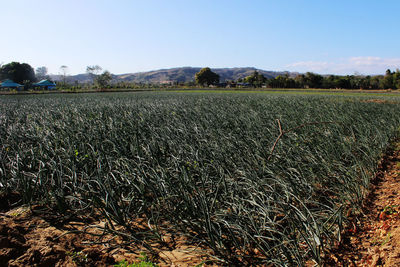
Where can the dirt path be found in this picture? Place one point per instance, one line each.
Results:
(373, 239)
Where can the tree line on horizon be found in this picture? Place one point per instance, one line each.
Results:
(391, 80)
(24, 74)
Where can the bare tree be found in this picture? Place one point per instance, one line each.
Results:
(93, 71)
(41, 73)
(64, 72)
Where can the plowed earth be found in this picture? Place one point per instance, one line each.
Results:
(35, 237)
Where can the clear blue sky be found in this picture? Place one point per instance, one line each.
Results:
(324, 36)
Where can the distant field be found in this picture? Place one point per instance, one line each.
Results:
(297, 91)
(261, 176)
(343, 92)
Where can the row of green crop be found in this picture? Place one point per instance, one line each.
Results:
(201, 164)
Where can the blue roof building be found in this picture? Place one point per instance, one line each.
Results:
(46, 84)
(10, 84)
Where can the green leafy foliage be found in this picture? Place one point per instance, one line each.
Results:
(78, 257)
(124, 263)
(103, 79)
(256, 79)
(144, 262)
(391, 80)
(206, 77)
(202, 163)
(17, 72)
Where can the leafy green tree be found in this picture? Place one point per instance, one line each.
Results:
(343, 82)
(396, 79)
(365, 82)
(300, 81)
(19, 73)
(103, 79)
(375, 82)
(206, 77)
(282, 81)
(328, 82)
(387, 82)
(256, 79)
(313, 80)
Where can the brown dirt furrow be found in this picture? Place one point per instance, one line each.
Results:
(373, 238)
(31, 239)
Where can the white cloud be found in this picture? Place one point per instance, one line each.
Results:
(364, 65)
(315, 66)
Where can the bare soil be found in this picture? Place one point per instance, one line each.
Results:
(35, 237)
(373, 238)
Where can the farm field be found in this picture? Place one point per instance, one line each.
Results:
(252, 178)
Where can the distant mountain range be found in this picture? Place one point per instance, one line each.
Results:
(183, 74)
